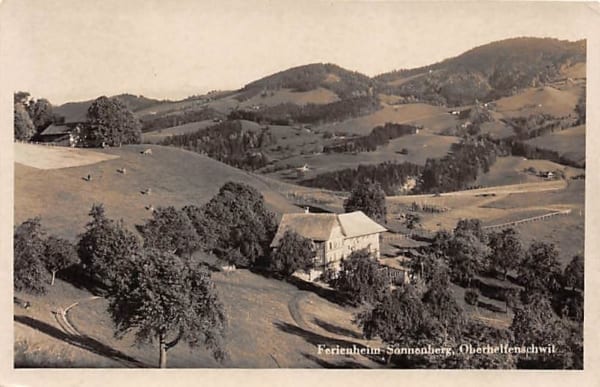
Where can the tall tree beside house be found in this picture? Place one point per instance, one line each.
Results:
(41, 113)
(24, 129)
(293, 253)
(361, 278)
(506, 251)
(111, 122)
(59, 254)
(368, 197)
(242, 223)
(171, 230)
(105, 245)
(165, 299)
(29, 246)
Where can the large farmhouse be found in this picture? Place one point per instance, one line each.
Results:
(335, 236)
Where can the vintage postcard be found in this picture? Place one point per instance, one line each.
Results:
(298, 185)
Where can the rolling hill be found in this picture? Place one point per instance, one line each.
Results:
(344, 83)
(176, 177)
(76, 111)
(487, 72)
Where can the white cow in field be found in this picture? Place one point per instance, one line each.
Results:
(147, 152)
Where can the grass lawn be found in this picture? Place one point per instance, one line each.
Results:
(157, 136)
(270, 324)
(418, 113)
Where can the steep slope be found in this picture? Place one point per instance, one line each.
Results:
(176, 177)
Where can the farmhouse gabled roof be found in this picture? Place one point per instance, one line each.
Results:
(55, 129)
(318, 227)
(357, 223)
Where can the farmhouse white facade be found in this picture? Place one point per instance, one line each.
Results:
(335, 236)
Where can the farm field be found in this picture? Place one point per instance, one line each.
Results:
(157, 136)
(176, 177)
(543, 100)
(512, 170)
(437, 118)
(420, 147)
(316, 96)
(569, 143)
(498, 205)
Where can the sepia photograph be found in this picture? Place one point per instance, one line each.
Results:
(296, 185)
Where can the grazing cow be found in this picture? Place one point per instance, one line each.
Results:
(88, 177)
(147, 152)
(147, 191)
(150, 207)
(122, 170)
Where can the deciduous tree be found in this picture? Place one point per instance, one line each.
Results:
(361, 278)
(168, 300)
(540, 269)
(293, 253)
(573, 275)
(369, 198)
(29, 246)
(59, 254)
(241, 222)
(24, 129)
(506, 250)
(171, 230)
(105, 245)
(112, 122)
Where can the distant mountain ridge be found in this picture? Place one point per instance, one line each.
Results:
(487, 72)
(483, 73)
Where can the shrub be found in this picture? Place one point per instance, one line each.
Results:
(472, 296)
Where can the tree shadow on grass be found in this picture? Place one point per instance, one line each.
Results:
(317, 339)
(83, 342)
(336, 329)
(76, 276)
(328, 294)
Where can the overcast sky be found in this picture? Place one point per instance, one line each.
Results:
(78, 49)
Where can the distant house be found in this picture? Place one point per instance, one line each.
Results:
(67, 134)
(546, 174)
(335, 236)
(70, 134)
